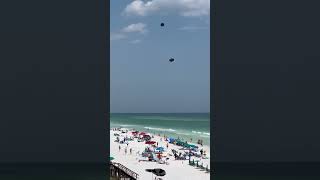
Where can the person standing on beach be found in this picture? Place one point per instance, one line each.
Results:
(130, 151)
(125, 151)
(119, 148)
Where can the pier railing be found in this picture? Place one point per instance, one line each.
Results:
(126, 170)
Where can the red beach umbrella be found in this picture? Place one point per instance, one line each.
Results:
(150, 142)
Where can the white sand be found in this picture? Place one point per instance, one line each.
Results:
(176, 170)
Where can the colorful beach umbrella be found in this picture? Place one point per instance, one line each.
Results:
(111, 158)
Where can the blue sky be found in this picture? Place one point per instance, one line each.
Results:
(142, 79)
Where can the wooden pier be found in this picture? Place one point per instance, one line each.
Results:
(120, 172)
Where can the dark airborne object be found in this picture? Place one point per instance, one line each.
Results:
(157, 172)
(171, 59)
(162, 24)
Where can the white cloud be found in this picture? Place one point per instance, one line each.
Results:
(135, 41)
(192, 28)
(182, 7)
(138, 27)
(117, 36)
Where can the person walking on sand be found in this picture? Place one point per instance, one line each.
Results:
(167, 145)
(119, 148)
(125, 151)
(130, 151)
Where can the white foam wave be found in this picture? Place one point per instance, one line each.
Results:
(202, 133)
(124, 125)
(169, 119)
(186, 134)
(160, 129)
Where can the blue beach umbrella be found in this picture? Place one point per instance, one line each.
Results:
(171, 140)
(160, 149)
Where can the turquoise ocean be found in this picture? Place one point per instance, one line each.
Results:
(182, 125)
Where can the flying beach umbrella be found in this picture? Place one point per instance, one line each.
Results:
(157, 172)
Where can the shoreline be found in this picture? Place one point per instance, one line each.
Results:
(175, 169)
(171, 133)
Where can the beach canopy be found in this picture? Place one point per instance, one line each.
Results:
(150, 142)
(160, 149)
(180, 143)
(193, 146)
(171, 140)
(157, 172)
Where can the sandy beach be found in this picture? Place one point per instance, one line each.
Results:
(175, 169)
